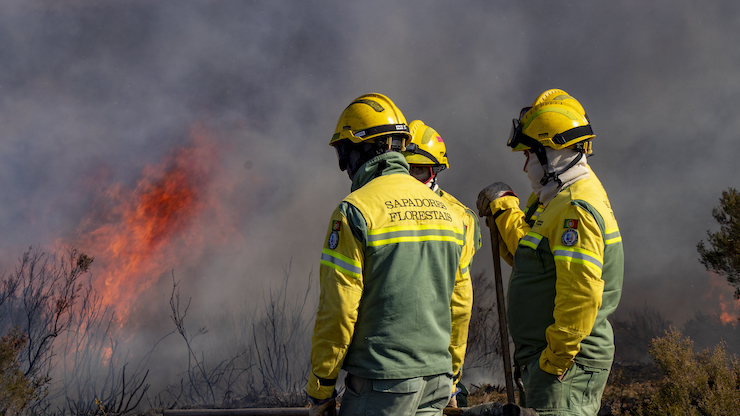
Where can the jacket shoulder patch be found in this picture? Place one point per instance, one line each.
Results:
(570, 237)
(333, 240)
(570, 224)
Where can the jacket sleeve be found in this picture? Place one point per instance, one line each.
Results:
(461, 303)
(578, 250)
(511, 225)
(341, 288)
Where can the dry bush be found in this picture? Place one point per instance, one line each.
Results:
(630, 387)
(704, 383)
(281, 344)
(487, 393)
(63, 329)
(484, 339)
(16, 391)
(268, 368)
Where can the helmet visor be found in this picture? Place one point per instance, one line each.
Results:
(515, 135)
(518, 140)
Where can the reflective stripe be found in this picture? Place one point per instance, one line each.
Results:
(392, 235)
(577, 255)
(341, 263)
(537, 213)
(465, 270)
(612, 236)
(531, 240)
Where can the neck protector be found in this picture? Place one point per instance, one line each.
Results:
(564, 166)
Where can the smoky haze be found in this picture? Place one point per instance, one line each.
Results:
(91, 93)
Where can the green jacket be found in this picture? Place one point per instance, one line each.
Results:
(387, 277)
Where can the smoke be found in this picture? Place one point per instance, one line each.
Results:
(92, 93)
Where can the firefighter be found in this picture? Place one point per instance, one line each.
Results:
(427, 157)
(568, 261)
(387, 277)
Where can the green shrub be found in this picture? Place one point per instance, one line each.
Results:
(705, 383)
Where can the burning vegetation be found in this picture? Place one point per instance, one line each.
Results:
(143, 231)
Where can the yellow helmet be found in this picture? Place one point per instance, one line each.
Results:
(426, 147)
(370, 116)
(555, 120)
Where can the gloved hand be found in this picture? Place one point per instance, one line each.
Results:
(489, 194)
(318, 407)
(453, 397)
(452, 402)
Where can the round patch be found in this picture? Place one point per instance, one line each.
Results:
(333, 240)
(570, 237)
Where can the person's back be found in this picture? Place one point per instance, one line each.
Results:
(387, 277)
(411, 242)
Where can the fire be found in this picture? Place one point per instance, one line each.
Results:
(729, 308)
(136, 235)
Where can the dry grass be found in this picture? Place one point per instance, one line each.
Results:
(487, 393)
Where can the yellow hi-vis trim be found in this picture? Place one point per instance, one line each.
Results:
(414, 233)
(537, 213)
(531, 240)
(465, 271)
(343, 264)
(612, 236)
(578, 255)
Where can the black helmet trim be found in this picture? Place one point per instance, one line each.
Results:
(413, 148)
(375, 130)
(517, 136)
(385, 128)
(572, 134)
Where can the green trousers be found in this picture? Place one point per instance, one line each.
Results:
(577, 394)
(398, 397)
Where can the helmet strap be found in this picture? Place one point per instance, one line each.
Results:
(541, 153)
(432, 181)
(414, 148)
(432, 178)
(574, 133)
(552, 175)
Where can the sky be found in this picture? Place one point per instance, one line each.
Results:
(94, 95)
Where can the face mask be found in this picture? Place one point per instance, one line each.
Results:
(534, 172)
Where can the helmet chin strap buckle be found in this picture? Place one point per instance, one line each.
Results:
(554, 175)
(550, 176)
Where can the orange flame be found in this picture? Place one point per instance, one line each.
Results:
(144, 231)
(729, 308)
